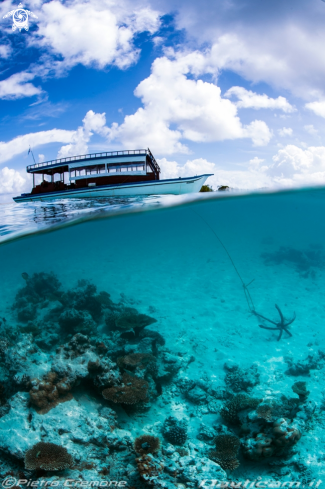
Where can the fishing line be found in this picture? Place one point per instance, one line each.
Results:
(248, 296)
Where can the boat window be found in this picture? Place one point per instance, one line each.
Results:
(140, 168)
(101, 169)
(112, 170)
(124, 168)
(72, 173)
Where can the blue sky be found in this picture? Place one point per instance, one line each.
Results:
(230, 87)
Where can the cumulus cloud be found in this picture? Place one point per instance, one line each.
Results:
(290, 167)
(96, 32)
(296, 166)
(317, 107)
(310, 129)
(248, 180)
(285, 131)
(248, 99)
(21, 143)
(274, 42)
(171, 169)
(18, 86)
(177, 107)
(11, 181)
(92, 123)
(77, 140)
(4, 51)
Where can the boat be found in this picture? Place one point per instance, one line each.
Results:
(110, 174)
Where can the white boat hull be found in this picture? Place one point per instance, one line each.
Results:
(155, 187)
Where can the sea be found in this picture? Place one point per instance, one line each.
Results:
(195, 322)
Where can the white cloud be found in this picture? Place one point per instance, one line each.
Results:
(293, 166)
(92, 123)
(285, 131)
(235, 179)
(4, 51)
(20, 144)
(17, 86)
(255, 164)
(77, 140)
(248, 99)
(259, 132)
(171, 169)
(177, 108)
(94, 33)
(11, 181)
(41, 158)
(263, 42)
(317, 107)
(310, 129)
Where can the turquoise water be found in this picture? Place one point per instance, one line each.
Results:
(169, 265)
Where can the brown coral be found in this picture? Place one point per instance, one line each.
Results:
(149, 468)
(128, 318)
(132, 391)
(134, 360)
(300, 388)
(49, 392)
(47, 456)
(256, 448)
(285, 432)
(146, 444)
(229, 411)
(266, 410)
(226, 450)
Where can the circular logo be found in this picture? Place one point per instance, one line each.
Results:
(20, 19)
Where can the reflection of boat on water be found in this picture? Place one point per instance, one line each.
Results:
(117, 173)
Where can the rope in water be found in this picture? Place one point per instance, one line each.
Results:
(248, 296)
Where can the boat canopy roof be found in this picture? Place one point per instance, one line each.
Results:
(62, 165)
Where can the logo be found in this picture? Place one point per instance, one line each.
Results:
(20, 18)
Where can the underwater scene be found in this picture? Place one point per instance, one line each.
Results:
(175, 347)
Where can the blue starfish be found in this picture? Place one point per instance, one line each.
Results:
(280, 326)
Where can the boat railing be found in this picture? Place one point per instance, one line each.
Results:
(69, 159)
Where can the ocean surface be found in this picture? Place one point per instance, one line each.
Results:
(198, 322)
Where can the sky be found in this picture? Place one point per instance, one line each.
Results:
(230, 87)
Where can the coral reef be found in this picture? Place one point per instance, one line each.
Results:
(226, 450)
(82, 373)
(132, 391)
(150, 469)
(313, 361)
(285, 433)
(258, 447)
(47, 456)
(277, 441)
(242, 379)
(48, 392)
(305, 262)
(300, 389)
(229, 412)
(136, 361)
(128, 318)
(175, 431)
(145, 444)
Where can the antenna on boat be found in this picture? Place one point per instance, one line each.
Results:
(30, 151)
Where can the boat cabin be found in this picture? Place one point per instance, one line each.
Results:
(96, 169)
